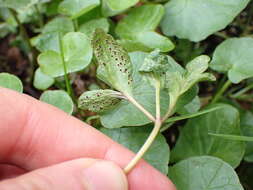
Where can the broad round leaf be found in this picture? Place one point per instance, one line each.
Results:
(89, 27)
(77, 53)
(49, 39)
(194, 139)
(204, 172)
(20, 5)
(42, 81)
(119, 6)
(59, 99)
(138, 28)
(134, 137)
(76, 8)
(10, 81)
(247, 130)
(234, 56)
(197, 19)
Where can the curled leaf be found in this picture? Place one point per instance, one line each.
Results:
(99, 100)
(114, 62)
(154, 67)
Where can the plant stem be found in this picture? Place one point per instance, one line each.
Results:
(140, 107)
(221, 91)
(170, 109)
(144, 148)
(75, 22)
(41, 22)
(242, 91)
(67, 81)
(152, 135)
(25, 36)
(157, 96)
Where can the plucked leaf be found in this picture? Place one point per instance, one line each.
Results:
(10, 81)
(154, 68)
(194, 139)
(76, 8)
(234, 56)
(76, 52)
(197, 19)
(59, 99)
(42, 81)
(126, 114)
(134, 137)
(113, 60)
(138, 27)
(99, 100)
(204, 172)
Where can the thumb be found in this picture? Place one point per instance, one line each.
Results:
(81, 174)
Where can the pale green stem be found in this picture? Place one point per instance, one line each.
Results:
(67, 81)
(242, 91)
(140, 107)
(221, 91)
(170, 109)
(152, 135)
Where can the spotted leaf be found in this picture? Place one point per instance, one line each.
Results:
(99, 100)
(113, 60)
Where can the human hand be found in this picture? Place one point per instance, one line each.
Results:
(51, 150)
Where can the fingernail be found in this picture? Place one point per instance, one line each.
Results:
(104, 175)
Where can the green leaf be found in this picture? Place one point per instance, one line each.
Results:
(247, 130)
(194, 139)
(11, 81)
(113, 60)
(99, 100)
(235, 56)
(59, 99)
(42, 81)
(89, 27)
(179, 80)
(191, 107)
(134, 137)
(138, 27)
(126, 114)
(154, 68)
(120, 6)
(233, 137)
(197, 19)
(49, 39)
(20, 5)
(77, 54)
(204, 172)
(76, 8)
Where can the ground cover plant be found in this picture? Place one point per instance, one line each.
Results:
(169, 79)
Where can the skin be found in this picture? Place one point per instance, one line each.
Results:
(38, 139)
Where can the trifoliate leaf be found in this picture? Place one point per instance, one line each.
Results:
(76, 53)
(99, 100)
(77, 8)
(42, 81)
(154, 67)
(234, 56)
(137, 29)
(11, 81)
(204, 173)
(197, 19)
(59, 99)
(113, 60)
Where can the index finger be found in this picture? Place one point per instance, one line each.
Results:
(35, 134)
